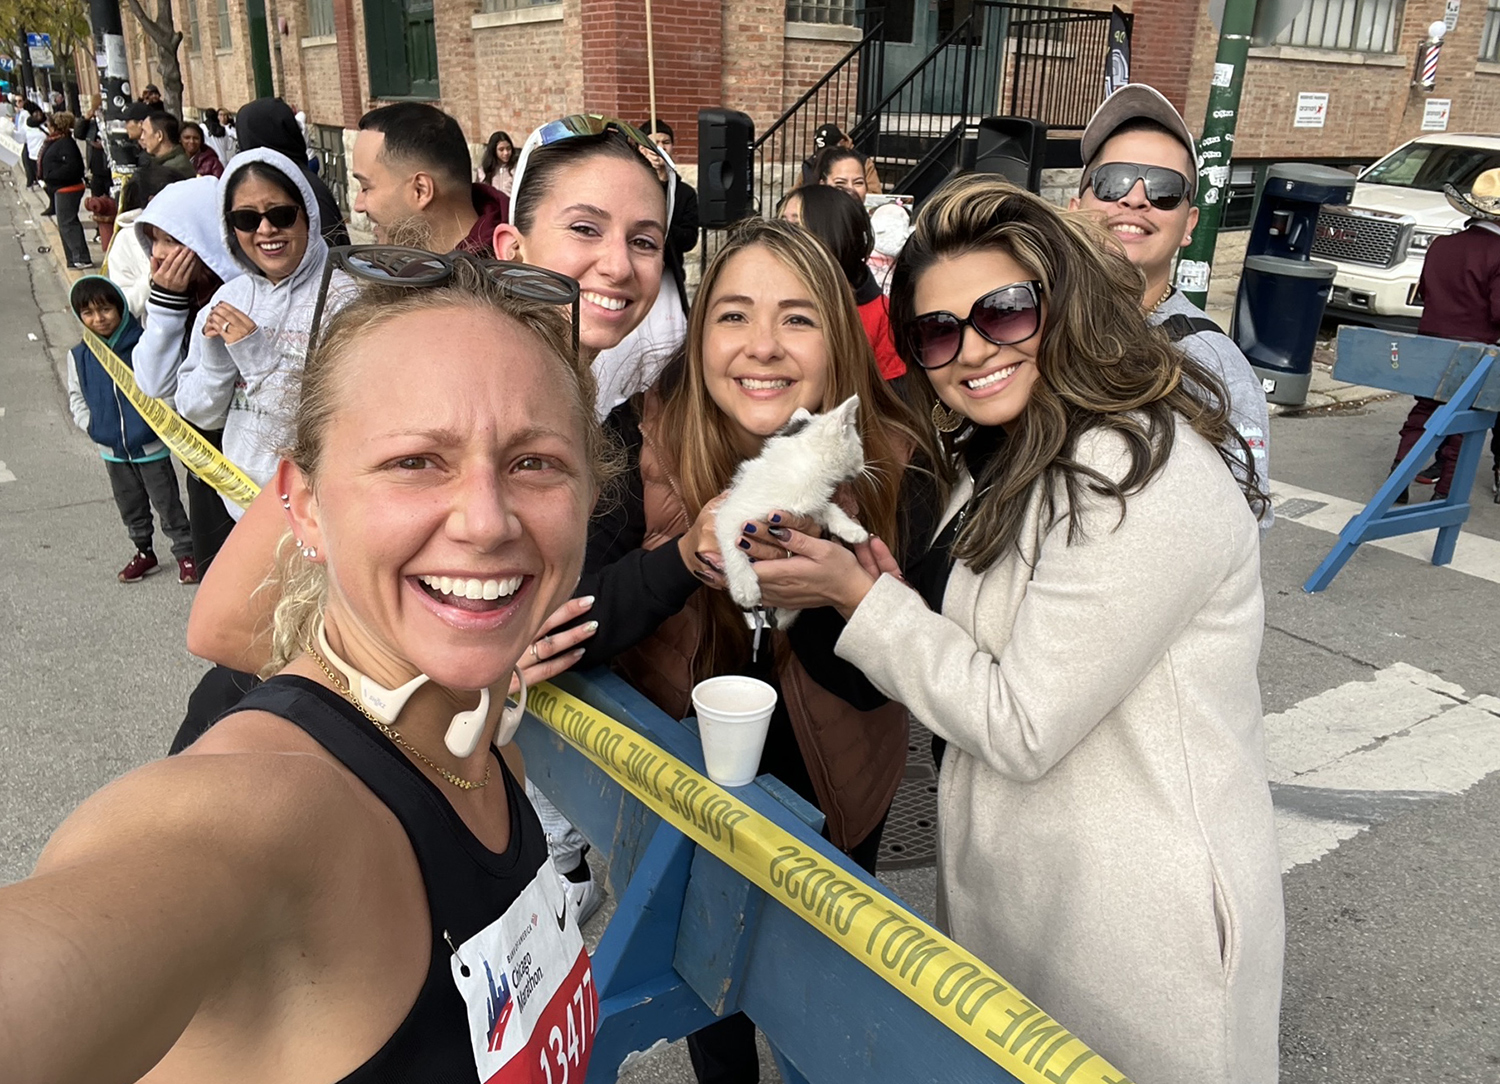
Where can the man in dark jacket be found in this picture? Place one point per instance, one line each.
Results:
(682, 231)
(1460, 289)
(159, 135)
(270, 122)
(415, 181)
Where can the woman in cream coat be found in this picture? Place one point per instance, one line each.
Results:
(1084, 633)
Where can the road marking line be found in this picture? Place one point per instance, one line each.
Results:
(1474, 555)
(1353, 756)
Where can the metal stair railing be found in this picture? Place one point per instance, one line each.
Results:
(836, 98)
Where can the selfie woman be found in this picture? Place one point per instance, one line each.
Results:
(316, 889)
(1084, 632)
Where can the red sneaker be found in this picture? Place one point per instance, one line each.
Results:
(141, 566)
(187, 570)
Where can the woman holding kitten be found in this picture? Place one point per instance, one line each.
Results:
(774, 328)
(1084, 633)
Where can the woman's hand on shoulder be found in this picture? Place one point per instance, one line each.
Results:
(553, 652)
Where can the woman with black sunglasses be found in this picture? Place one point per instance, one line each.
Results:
(244, 364)
(1084, 632)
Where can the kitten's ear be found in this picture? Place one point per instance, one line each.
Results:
(849, 411)
(799, 421)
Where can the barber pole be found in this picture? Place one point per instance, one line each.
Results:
(1428, 59)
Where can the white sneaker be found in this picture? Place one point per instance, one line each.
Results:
(584, 897)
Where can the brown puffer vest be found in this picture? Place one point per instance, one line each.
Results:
(855, 758)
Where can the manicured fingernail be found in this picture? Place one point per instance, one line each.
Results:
(749, 528)
(775, 517)
(592, 626)
(586, 601)
(781, 534)
(702, 575)
(744, 545)
(752, 560)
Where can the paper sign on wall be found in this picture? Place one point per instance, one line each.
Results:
(1450, 14)
(1312, 110)
(1435, 114)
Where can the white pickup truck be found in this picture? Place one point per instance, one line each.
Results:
(1379, 240)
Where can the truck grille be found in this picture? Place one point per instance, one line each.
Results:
(1358, 238)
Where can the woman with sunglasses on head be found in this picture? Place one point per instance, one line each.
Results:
(243, 368)
(1083, 631)
(774, 328)
(330, 884)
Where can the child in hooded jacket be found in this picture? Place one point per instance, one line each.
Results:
(140, 468)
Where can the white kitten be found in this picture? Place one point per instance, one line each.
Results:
(797, 471)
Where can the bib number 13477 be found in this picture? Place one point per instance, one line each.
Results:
(566, 1050)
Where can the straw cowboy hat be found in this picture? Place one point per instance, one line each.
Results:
(1483, 200)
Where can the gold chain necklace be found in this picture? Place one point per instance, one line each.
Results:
(1158, 303)
(390, 732)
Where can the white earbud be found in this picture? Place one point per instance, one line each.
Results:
(463, 733)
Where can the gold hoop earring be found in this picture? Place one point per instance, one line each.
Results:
(945, 420)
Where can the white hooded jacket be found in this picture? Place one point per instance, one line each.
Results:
(251, 388)
(189, 211)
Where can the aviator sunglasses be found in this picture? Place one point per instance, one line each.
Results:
(1004, 317)
(1112, 182)
(282, 216)
(414, 268)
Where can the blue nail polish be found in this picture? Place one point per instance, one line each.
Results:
(749, 528)
(776, 517)
(744, 545)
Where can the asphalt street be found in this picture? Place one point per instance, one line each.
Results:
(1390, 805)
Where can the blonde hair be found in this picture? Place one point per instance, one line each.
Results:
(302, 585)
(701, 439)
(1100, 365)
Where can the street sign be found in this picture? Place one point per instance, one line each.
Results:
(7, 64)
(40, 46)
(1312, 110)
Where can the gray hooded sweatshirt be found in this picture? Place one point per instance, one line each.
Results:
(189, 211)
(251, 388)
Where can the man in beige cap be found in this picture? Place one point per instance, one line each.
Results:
(1460, 290)
(1140, 176)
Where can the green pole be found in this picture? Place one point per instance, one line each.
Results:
(1216, 147)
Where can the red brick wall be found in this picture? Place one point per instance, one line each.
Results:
(754, 50)
(527, 74)
(689, 56)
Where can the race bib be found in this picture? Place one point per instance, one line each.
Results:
(530, 991)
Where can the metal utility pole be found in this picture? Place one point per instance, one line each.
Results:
(1216, 147)
(114, 85)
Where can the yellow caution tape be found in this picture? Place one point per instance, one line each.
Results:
(950, 983)
(197, 454)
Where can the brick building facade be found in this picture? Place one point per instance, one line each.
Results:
(512, 63)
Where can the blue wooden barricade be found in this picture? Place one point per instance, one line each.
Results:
(691, 940)
(1466, 380)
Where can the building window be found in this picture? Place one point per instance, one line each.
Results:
(1489, 41)
(226, 35)
(828, 12)
(1367, 26)
(402, 40)
(194, 32)
(516, 5)
(320, 18)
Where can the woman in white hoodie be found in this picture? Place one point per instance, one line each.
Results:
(180, 239)
(244, 365)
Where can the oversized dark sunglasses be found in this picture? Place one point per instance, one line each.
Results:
(414, 268)
(1004, 316)
(282, 216)
(1165, 188)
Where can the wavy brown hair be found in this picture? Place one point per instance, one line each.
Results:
(1100, 365)
(700, 438)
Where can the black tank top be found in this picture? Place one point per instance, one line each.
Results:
(468, 886)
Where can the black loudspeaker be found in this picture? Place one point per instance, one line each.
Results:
(1013, 147)
(726, 178)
